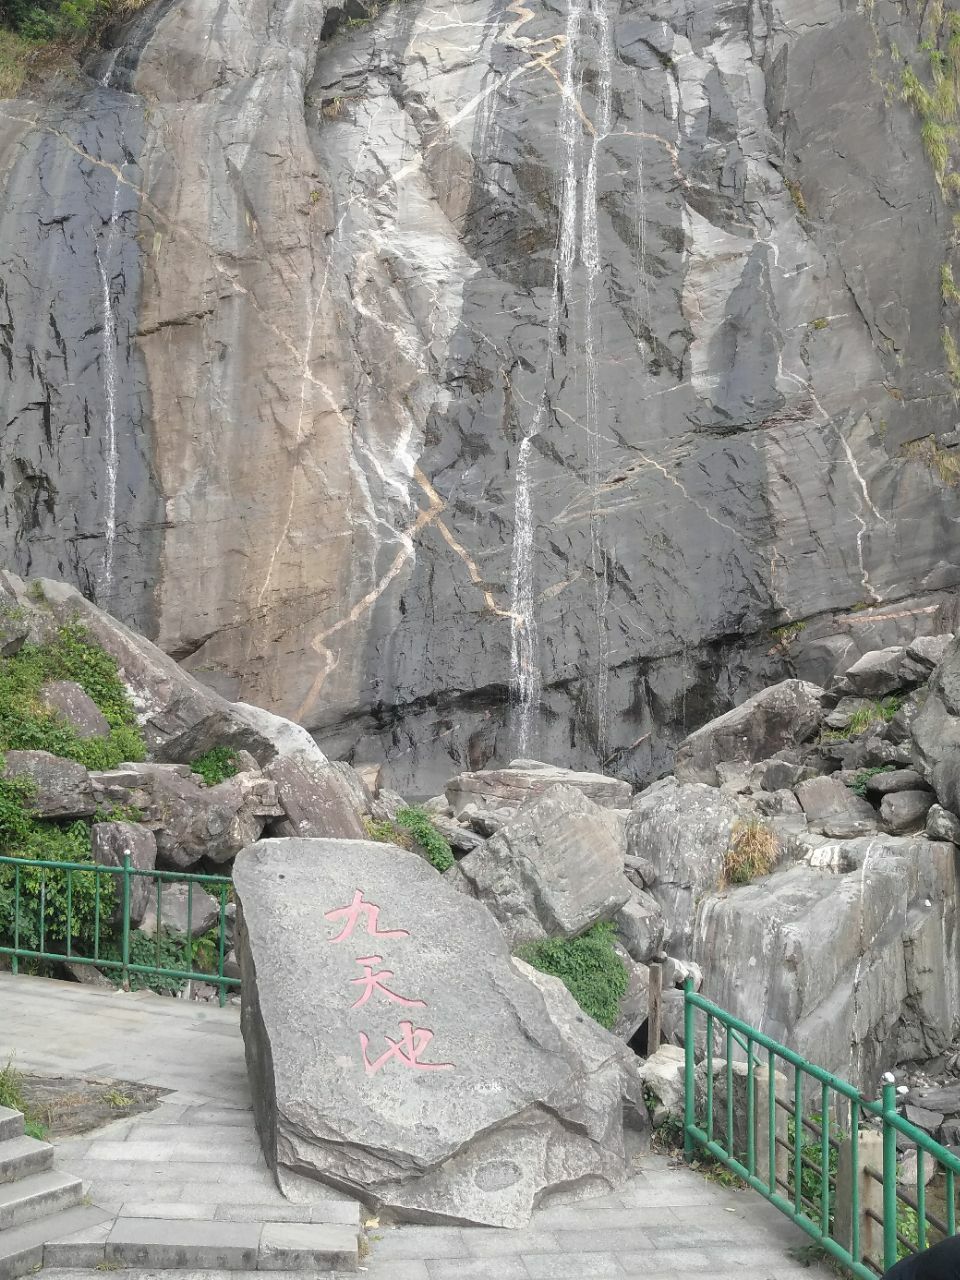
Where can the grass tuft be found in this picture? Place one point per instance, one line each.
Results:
(945, 463)
(752, 852)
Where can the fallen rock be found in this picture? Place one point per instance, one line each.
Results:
(923, 1118)
(774, 719)
(929, 650)
(110, 843)
(834, 809)
(371, 775)
(639, 924)
(684, 831)
(61, 788)
(460, 838)
(67, 702)
(778, 775)
(662, 1075)
(876, 673)
(942, 825)
(197, 822)
(314, 799)
(555, 870)
(776, 804)
(945, 1098)
(935, 731)
(516, 1091)
(883, 784)
(635, 1001)
(524, 780)
(904, 811)
(180, 911)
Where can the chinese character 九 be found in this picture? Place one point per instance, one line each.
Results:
(351, 915)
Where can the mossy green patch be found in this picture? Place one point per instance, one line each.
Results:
(589, 968)
(215, 765)
(25, 725)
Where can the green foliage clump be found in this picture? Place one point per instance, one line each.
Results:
(215, 765)
(11, 1095)
(169, 951)
(858, 783)
(413, 826)
(25, 725)
(417, 822)
(63, 21)
(589, 968)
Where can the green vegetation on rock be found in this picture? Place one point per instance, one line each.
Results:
(12, 1095)
(215, 765)
(25, 725)
(411, 826)
(858, 784)
(588, 966)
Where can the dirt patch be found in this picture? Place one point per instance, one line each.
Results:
(68, 1105)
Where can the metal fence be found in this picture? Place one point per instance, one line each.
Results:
(812, 1145)
(80, 913)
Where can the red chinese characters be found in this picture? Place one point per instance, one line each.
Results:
(414, 1041)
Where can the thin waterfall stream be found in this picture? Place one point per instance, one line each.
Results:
(105, 255)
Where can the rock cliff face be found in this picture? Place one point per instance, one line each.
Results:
(484, 379)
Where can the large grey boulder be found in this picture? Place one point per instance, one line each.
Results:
(876, 673)
(189, 912)
(397, 1052)
(935, 730)
(858, 968)
(60, 788)
(942, 825)
(554, 870)
(684, 830)
(640, 926)
(110, 844)
(904, 811)
(66, 701)
(782, 716)
(524, 780)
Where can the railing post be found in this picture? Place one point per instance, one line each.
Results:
(689, 1067)
(125, 971)
(654, 1008)
(860, 1196)
(766, 1134)
(889, 1173)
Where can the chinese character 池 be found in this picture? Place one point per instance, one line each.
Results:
(407, 1050)
(351, 915)
(371, 983)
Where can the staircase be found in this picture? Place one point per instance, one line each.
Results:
(38, 1205)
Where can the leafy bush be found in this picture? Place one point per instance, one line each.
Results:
(589, 968)
(175, 952)
(215, 765)
(413, 826)
(417, 822)
(753, 852)
(62, 20)
(25, 725)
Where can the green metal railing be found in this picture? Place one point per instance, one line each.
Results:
(110, 925)
(799, 1175)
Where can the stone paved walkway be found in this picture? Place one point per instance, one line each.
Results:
(197, 1156)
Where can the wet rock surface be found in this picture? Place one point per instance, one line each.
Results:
(433, 460)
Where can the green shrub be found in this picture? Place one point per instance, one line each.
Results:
(25, 725)
(413, 826)
(417, 822)
(215, 765)
(175, 951)
(858, 784)
(589, 968)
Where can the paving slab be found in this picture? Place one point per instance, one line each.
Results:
(287, 1245)
(162, 1242)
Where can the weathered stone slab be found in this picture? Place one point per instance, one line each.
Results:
(181, 911)
(834, 809)
(61, 788)
(776, 718)
(555, 870)
(441, 1081)
(882, 784)
(876, 673)
(524, 780)
(110, 843)
(68, 702)
(903, 811)
(942, 825)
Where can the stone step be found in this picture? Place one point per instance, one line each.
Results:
(11, 1124)
(37, 1195)
(24, 1249)
(19, 1157)
(170, 1243)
